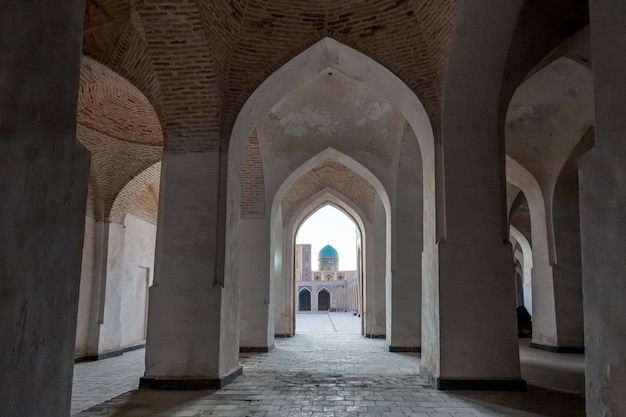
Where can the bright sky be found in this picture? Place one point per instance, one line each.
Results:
(329, 226)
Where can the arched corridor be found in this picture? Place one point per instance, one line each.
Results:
(157, 159)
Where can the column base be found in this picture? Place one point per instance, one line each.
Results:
(375, 336)
(106, 355)
(405, 349)
(190, 384)
(468, 384)
(558, 349)
(256, 349)
(282, 335)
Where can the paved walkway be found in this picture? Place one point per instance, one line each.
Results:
(326, 370)
(96, 382)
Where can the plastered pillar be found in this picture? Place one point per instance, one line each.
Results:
(475, 315)
(602, 176)
(568, 269)
(110, 327)
(404, 288)
(376, 277)
(281, 279)
(43, 178)
(104, 337)
(193, 329)
(256, 330)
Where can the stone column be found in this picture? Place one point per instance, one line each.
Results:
(43, 178)
(281, 279)
(109, 323)
(404, 294)
(376, 277)
(104, 324)
(255, 307)
(477, 347)
(602, 176)
(567, 271)
(193, 326)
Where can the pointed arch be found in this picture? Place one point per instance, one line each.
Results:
(321, 199)
(527, 257)
(331, 154)
(543, 301)
(282, 235)
(304, 299)
(131, 191)
(325, 54)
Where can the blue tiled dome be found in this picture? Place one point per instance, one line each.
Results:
(329, 252)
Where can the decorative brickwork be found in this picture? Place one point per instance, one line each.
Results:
(183, 59)
(410, 38)
(118, 125)
(110, 104)
(198, 61)
(189, 65)
(114, 36)
(146, 205)
(334, 175)
(140, 196)
(252, 184)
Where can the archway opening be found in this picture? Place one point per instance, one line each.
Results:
(304, 300)
(323, 300)
(327, 268)
(296, 114)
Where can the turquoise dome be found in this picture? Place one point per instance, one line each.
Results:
(329, 252)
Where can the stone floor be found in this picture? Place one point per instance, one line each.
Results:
(96, 382)
(328, 369)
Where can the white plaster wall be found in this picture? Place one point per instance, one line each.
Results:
(130, 260)
(137, 274)
(86, 288)
(110, 337)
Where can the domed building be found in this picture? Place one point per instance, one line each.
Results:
(328, 259)
(327, 288)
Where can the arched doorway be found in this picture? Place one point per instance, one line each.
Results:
(312, 66)
(304, 300)
(323, 300)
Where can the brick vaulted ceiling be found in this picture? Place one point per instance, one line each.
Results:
(334, 175)
(195, 62)
(116, 122)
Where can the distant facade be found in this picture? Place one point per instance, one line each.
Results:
(327, 288)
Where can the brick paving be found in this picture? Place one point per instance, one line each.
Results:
(326, 370)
